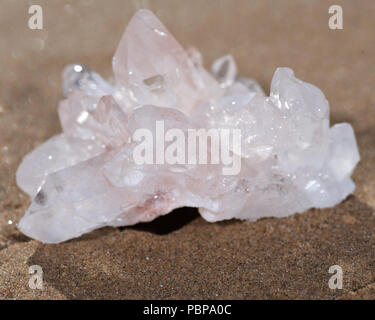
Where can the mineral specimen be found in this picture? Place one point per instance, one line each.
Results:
(88, 176)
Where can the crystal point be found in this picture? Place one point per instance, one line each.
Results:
(225, 70)
(79, 77)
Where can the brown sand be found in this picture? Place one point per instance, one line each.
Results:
(181, 255)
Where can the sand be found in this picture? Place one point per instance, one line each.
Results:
(181, 255)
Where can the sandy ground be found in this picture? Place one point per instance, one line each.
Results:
(181, 255)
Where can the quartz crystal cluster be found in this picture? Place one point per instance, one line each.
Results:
(86, 178)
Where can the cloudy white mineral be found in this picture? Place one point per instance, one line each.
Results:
(87, 177)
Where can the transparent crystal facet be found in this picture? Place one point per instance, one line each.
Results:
(81, 78)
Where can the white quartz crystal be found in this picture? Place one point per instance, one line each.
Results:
(86, 177)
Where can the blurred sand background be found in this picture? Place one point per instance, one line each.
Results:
(181, 255)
